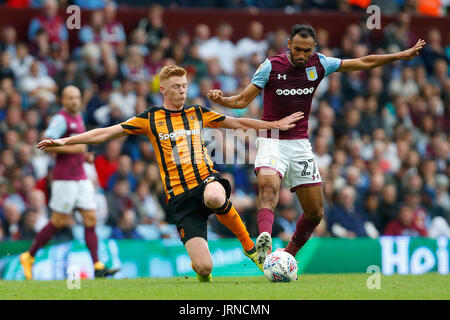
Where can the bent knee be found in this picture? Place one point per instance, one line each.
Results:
(215, 202)
(214, 197)
(203, 268)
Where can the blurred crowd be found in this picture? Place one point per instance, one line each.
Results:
(435, 8)
(381, 137)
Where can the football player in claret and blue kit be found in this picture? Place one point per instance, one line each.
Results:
(289, 81)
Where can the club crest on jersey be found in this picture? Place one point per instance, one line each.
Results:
(311, 73)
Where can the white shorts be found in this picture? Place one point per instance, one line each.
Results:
(67, 195)
(293, 160)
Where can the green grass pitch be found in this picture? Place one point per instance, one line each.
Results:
(308, 287)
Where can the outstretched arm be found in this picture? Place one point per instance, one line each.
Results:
(247, 123)
(239, 101)
(376, 60)
(79, 148)
(94, 136)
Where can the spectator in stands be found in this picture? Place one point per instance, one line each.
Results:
(388, 207)
(133, 66)
(277, 41)
(442, 195)
(24, 160)
(154, 28)
(220, 80)
(21, 62)
(11, 140)
(38, 86)
(3, 105)
(177, 53)
(347, 219)
(413, 199)
(54, 24)
(194, 63)
(241, 200)
(397, 35)
(153, 178)
(404, 224)
(8, 40)
(5, 66)
(434, 50)
(29, 224)
(202, 33)
(113, 31)
(253, 43)
(440, 74)
(221, 47)
(285, 222)
(72, 75)
(370, 119)
(94, 31)
(121, 105)
(355, 179)
(404, 86)
(148, 208)
(119, 200)
(13, 121)
(126, 226)
(106, 164)
(372, 208)
(321, 151)
(138, 38)
(124, 171)
(13, 214)
(36, 203)
(334, 96)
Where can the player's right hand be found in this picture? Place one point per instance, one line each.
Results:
(215, 96)
(289, 122)
(49, 143)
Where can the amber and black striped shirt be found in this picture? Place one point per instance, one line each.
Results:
(177, 139)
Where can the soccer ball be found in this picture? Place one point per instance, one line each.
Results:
(280, 266)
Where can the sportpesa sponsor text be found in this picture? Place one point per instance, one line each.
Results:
(177, 134)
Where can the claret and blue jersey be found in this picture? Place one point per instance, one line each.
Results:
(288, 89)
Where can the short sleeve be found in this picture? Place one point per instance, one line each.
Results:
(138, 124)
(262, 74)
(329, 64)
(56, 128)
(211, 118)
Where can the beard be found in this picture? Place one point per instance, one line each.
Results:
(301, 63)
(296, 62)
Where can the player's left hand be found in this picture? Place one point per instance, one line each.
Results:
(49, 143)
(289, 122)
(413, 51)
